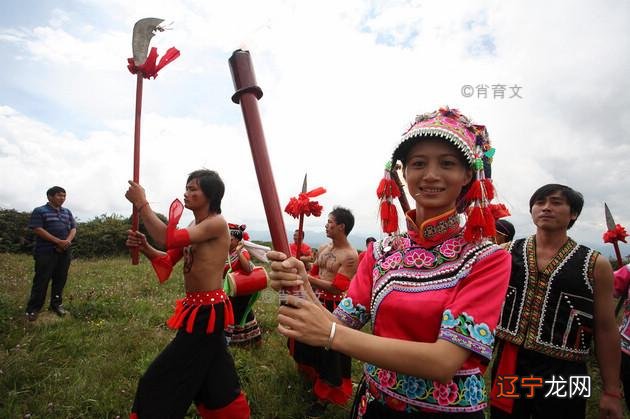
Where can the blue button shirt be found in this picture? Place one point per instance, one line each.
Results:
(57, 222)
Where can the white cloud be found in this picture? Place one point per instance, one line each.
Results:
(341, 82)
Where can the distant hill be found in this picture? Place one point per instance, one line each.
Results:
(314, 238)
(317, 238)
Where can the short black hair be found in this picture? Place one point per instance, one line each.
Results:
(55, 190)
(369, 240)
(574, 198)
(212, 186)
(343, 216)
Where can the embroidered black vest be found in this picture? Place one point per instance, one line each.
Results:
(551, 311)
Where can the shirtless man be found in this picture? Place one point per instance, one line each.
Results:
(196, 365)
(336, 261)
(330, 276)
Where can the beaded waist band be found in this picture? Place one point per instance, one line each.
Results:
(205, 297)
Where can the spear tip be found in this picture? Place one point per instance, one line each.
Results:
(610, 221)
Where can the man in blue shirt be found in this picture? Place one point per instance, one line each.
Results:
(55, 228)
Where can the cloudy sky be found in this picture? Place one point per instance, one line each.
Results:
(341, 81)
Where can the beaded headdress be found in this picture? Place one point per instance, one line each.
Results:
(473, 142)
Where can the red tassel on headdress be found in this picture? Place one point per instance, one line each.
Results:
(389, 217)
(490, 227)
(480, 223)
(488, 187)
(474, 192)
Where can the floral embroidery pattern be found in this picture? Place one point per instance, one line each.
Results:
(465, 325)
(445, 394)
(353, 316)
(414, 387)
(474, 390)
(448, 320)
(400, 252)
(466, 392)
(452, 247)
(387, 378)
(419, 258)
(392, 261)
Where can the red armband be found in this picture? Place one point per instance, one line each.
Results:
(176, 238)
(341, 282)
(314, 270)
(163, 265)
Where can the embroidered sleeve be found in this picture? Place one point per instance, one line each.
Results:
(471, 315)
(354, 310)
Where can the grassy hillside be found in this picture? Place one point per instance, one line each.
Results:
(87, 365)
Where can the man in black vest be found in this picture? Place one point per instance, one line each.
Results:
(560, 295)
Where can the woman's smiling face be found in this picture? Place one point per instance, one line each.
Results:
(435, 173)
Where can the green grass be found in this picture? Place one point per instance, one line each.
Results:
(87, 365)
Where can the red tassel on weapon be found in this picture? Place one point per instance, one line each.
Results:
(150, 68)
(618, 234)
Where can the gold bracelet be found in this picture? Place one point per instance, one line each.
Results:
(333, 329)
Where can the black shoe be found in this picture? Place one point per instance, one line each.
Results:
(31, 317)
(59, 311)
(317, 410)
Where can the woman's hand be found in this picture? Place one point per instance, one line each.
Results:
(304, 321)
(135, 194)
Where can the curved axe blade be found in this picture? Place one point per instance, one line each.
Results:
(143, 31)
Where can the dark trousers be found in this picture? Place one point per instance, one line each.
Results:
(541, 407)
(49, 266)
(194, 367)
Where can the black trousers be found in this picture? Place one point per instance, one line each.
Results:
(541, 407)
(49, 266)
(194, 367)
